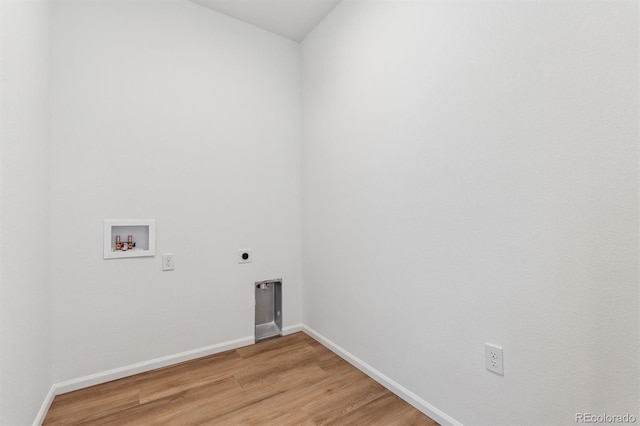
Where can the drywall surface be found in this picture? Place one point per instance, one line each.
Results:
(25, 349)
(165, 110)
(470, 175)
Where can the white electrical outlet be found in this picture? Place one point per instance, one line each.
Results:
(245, 256)
(493, 358)
(168, 262)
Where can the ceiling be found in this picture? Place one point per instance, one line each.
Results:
(293, 19)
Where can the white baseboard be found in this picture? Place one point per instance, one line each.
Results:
(45, 406)
(292, 329)
(141, 367)
(413, 399)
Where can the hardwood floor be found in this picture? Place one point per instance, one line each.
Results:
(291, 380)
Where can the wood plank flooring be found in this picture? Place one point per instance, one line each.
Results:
(291, 380)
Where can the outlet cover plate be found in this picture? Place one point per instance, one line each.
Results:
(493, 358)
(168, 262)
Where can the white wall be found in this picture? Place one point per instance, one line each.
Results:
(469, 175)
(25, 347)
(170, 111)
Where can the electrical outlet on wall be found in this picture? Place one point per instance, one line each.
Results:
(245, 256)
(168, 262)
(493, 358)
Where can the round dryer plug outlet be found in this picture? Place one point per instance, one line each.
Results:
(245, 256)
